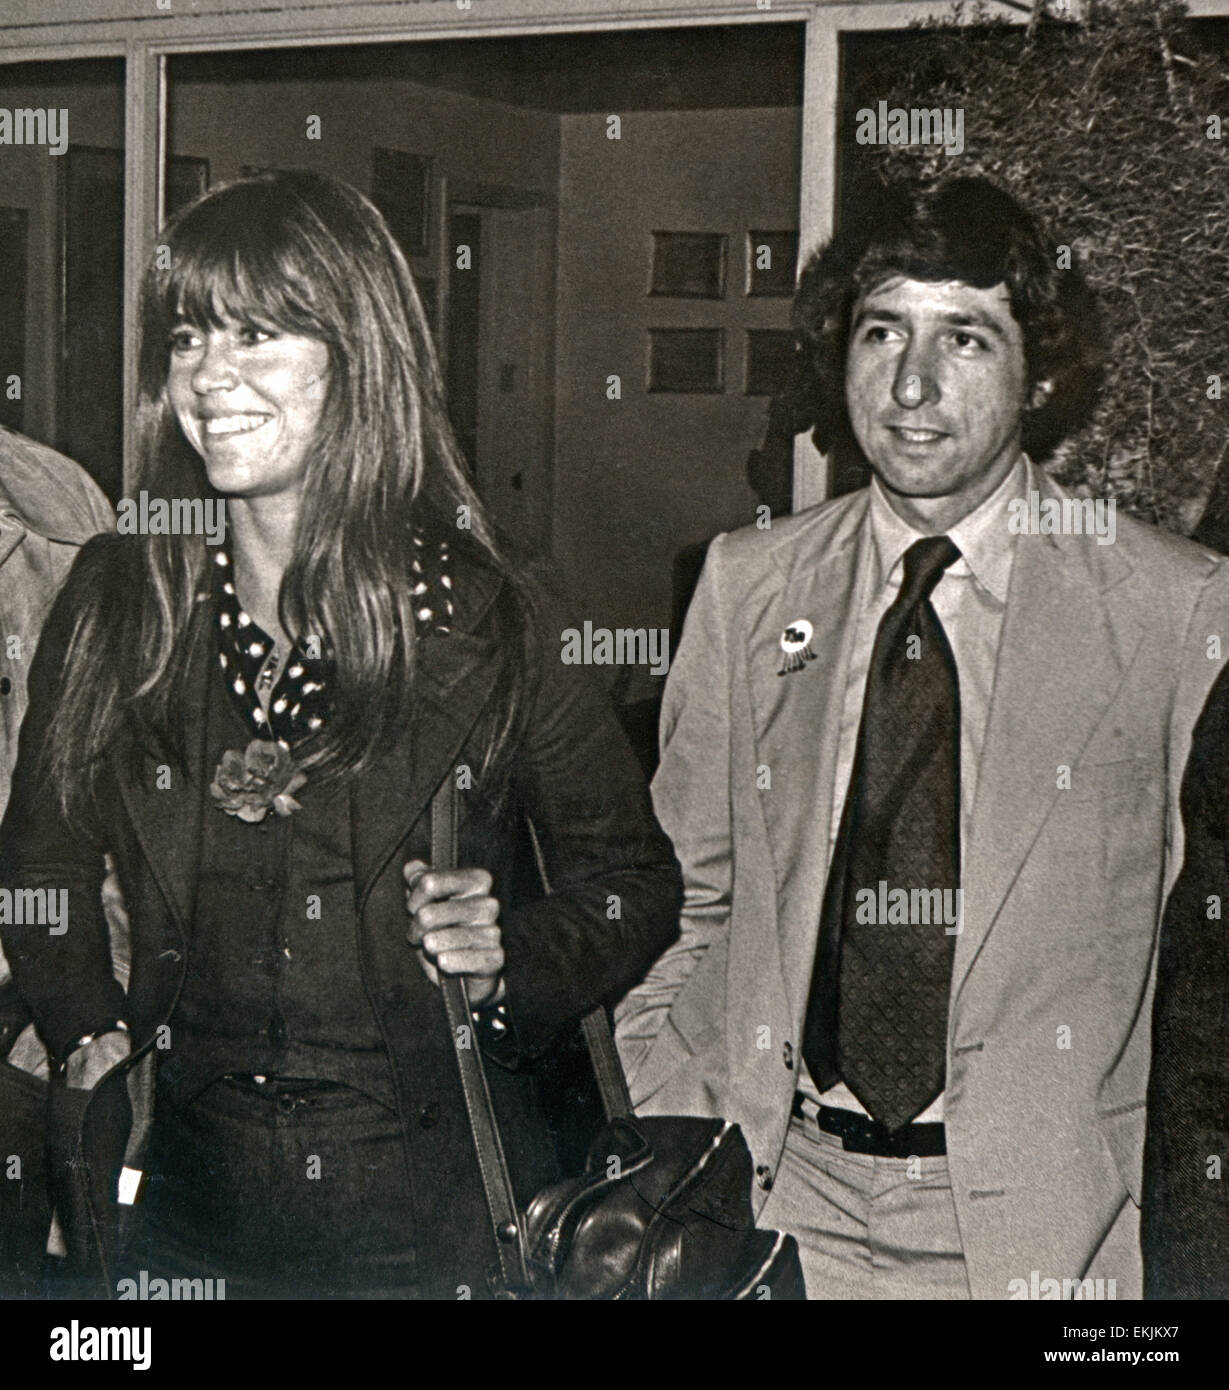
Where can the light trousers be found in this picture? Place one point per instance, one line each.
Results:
(867, 1227)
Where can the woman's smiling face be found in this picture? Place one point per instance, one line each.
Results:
(249, 400)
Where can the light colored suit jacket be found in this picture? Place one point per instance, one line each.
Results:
(1104, 663)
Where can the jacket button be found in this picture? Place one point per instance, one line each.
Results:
(763, 1177)
(787, 1055)
(429, 1115)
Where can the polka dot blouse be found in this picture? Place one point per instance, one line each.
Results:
(298, 694)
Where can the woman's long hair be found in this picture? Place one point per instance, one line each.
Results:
(305, 254)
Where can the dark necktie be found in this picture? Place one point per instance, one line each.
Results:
(877, 1012)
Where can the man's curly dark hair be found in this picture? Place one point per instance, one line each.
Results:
(964, 229)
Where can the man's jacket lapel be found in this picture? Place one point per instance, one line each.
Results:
(1063, 654)
(797, 719)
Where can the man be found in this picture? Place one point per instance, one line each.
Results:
(920, 760)
(49, 508)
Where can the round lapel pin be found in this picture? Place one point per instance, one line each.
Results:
(796, 644)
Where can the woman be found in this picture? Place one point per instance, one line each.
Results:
(254, 730)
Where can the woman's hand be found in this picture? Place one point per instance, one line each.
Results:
(89, 1064)
(454, 924)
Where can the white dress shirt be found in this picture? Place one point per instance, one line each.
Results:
(969, 600)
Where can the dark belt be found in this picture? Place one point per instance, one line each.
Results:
(859, 1134)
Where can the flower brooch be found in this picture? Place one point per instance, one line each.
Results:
(264, 775)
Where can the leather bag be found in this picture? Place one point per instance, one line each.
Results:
(662, 1209)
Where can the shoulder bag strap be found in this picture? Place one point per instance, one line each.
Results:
(616, 1099)
(496, 1183)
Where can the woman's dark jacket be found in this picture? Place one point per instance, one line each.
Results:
(613, 908)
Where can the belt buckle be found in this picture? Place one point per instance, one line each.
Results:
(861, 1134)
(864, 1136)
(844, 1126)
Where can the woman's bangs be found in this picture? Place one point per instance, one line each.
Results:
(217, 278)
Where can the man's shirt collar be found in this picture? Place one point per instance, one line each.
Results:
(985, 540)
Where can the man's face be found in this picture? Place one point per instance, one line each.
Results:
(935, 382)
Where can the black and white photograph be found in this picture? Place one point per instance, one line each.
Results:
(614, 626)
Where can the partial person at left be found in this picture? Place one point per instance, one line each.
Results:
(49, 508)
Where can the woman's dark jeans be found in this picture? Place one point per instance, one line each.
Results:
(283, 1189)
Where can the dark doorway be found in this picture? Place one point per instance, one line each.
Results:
(92, 257)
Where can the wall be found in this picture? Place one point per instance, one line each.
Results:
(639, 478)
